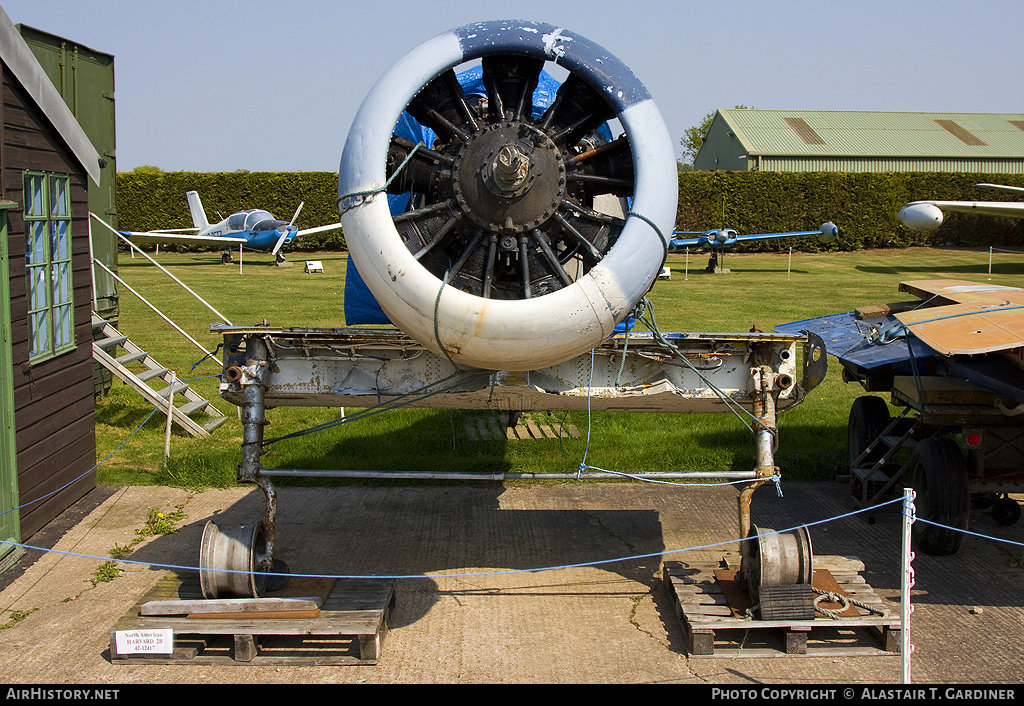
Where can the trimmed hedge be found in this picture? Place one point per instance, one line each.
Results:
(157, 201)
(863, 205)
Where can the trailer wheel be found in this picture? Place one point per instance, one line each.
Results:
(938, 474)
(869, 416)
(1005, 511)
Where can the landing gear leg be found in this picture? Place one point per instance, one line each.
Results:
(769, 559)
(245, 548)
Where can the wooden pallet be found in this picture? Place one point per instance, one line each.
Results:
(711, 609)
(349, 628)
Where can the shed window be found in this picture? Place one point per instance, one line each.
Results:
(48, 264)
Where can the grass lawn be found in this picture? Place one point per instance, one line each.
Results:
(762, 290)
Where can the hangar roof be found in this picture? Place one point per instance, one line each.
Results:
(869, 133)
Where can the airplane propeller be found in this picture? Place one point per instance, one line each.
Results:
(280, 241)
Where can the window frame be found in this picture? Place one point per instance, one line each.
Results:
(49, 284)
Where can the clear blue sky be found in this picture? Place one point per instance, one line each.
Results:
(264, 85)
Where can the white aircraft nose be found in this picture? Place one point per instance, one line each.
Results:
(920, 216)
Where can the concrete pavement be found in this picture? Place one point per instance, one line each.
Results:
(611, 623)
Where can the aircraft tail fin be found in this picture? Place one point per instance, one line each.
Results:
(198, 214)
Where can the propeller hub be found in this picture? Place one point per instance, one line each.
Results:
(509, 177)
(511, 168)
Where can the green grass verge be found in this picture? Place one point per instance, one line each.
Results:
(762, 290)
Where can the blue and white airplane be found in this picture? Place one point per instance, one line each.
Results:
(253, 229)
(717, 238)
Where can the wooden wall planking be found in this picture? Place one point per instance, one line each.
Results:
(54, 398)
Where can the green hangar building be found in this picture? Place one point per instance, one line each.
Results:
(746, 139)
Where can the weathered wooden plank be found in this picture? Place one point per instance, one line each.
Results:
(53, 472)
(72, 439)
(264, 615)
(230, 606)
(702, 643)
(32, 396)
(796, 641)
(837, 562)
(709, 598)
(495, 428)
(704, 609)
(695, 586)
(245, 648)
(481, 426)
(37, 515)
(326, 623)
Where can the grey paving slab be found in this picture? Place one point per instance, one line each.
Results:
(478, 613)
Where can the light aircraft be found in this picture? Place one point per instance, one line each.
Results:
(927, 215)
(718, 238)
(252, 229)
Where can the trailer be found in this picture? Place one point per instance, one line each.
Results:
(952, 362)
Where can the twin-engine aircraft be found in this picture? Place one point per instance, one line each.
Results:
(717, 239)
(253, 229)
(927, 215)
(726, 237)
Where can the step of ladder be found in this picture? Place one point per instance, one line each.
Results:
(148, 375)
(187, 401)
(131, 357)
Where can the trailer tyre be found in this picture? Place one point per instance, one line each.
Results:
(869, 416)
(938, 474)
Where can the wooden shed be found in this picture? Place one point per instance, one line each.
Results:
(47, 426)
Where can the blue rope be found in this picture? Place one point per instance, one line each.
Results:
(505, 572)
(105, 458)
(963, 531)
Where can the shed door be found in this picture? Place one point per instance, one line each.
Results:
(10, 525)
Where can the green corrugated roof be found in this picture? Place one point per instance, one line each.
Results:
(870, 133)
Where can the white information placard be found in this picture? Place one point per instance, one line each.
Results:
(151, 642)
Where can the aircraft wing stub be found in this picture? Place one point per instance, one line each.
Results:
(928, 215)
(180, 238)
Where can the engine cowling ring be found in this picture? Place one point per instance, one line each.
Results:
(508, 334)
